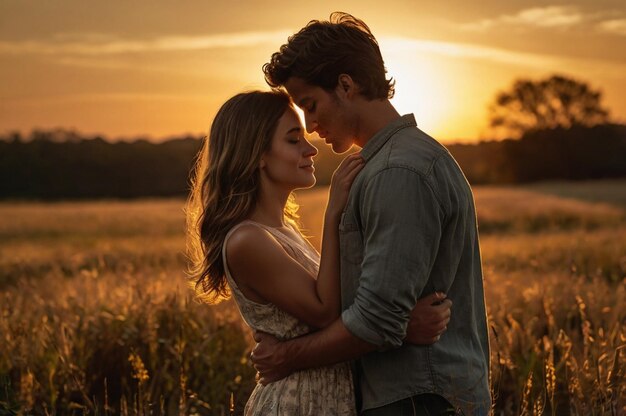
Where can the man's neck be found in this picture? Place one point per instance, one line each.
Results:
(374, 116)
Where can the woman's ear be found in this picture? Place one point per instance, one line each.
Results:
(262, 163)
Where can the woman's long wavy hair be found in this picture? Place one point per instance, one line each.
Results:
(225, 183)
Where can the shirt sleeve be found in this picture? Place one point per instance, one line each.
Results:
(402, 225)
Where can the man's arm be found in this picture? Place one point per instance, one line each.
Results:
(275, 360)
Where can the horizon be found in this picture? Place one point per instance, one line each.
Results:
(26, 137)
(145, 70)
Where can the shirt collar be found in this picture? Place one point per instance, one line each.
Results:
(377, 141)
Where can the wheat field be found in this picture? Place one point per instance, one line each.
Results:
(96, 316)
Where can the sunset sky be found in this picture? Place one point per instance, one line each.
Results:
(125, 69)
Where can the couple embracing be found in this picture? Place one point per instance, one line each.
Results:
(365, 325)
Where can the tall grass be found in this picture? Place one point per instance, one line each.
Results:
(125, 343)
(557, 344)
(96, 316)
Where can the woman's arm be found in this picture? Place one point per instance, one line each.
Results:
(328, 280)
(261, 267)
(429, 319)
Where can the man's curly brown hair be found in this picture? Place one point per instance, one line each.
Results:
(323, 50)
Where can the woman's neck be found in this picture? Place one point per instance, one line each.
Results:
(270, 209)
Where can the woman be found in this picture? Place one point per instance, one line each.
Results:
(244, 235)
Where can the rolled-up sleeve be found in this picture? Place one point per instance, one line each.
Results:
(402, 225)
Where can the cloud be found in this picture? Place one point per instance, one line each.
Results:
(108, 97)
(546, 62)
(547, 16)
(96, 62)
(95, 44)
(615, 26)
(464, 50)
(551, 16)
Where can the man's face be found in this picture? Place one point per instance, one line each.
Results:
(326, 113)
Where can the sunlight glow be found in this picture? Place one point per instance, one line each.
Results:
(419, 90)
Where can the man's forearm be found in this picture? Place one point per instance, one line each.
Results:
(330, 345)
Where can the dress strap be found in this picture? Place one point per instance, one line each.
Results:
(283, 238)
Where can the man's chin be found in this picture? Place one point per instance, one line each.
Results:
(340, 148)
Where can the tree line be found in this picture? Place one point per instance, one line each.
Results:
(62, 165)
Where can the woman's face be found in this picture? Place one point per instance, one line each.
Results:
(289, 161)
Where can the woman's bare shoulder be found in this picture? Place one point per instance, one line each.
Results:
(246, 239)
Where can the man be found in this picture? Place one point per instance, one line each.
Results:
(409, 229)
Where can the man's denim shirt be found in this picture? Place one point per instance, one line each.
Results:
(409, 229)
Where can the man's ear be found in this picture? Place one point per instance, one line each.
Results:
(346, 85)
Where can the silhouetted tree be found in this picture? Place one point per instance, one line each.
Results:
(554, 102)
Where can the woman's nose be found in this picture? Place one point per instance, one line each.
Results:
(310, 150)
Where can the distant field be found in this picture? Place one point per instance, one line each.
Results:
(518, 209)
(96, 316)
(611, 191)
